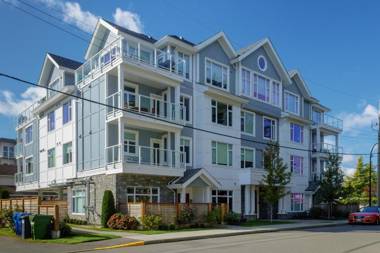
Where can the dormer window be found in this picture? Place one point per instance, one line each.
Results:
(292, 103)
(217, 74)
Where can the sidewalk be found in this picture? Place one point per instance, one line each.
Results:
(217, 232)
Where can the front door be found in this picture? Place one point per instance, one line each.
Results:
(156, 105)
(155, 151)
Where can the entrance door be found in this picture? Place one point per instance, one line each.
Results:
(155, 151)
(156, 105)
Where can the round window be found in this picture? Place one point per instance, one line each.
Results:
(262, 63)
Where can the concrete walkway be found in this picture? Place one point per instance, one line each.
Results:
(217, 232)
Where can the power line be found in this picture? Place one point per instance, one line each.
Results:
(166, 121)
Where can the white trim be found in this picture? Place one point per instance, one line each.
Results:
(227, 46)
(190, 106)
(26, 158)
(190, 149)
(136, 140)
(254, 122)
(155, 141)
(254, 156)
(229, 119)
(258, 63)
(222, 65)
(299, 102)
(296, 73)
(275, 131)
(228, 150)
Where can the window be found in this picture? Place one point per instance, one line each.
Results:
(67, 153)
(185, 108)
(217, 74)
(79, 200)
(221, 153)
(297, 202)
(130, 142)
(247, 122)
(246, 82)
(269, 129)
(28, 134)
(185, 146)
(292, 103)
(11, 152)
(276, 93)
(29, 165)
(5, 151)
(66, 112)
(51, 157)
(221, 113)
(143, 194)
(247, 158)
(261, 88)
(296, 164)
(222, 196)
(262, 63)
(316, 117)
(296, 133)
(184, 65)
(51, 121)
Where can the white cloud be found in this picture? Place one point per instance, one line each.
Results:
(11, 106)
(72, 13)
(352, 122)
(348, 158)
(128, 20)
(348, 171)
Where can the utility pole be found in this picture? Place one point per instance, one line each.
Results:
(378, 155)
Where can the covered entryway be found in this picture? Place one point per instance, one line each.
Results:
(195, 186)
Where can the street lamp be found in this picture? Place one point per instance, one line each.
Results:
(370, 176)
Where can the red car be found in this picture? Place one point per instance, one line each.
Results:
(368, 215)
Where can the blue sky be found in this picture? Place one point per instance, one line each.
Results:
(334, 44)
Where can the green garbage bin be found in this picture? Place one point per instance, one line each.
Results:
(41, 226)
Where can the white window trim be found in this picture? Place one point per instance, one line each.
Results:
(302, 169)
(190, 149)
(228, 118)
(132, 85)
(72, 205)
(190, 64)
(26, 158)
(271, 80)
(254, 156)
(30, 125)
(150, 195)
(228, 150)
(55, 158)
(63, 154)
(302, 132)
(190, 105)
(137, 142)
(254, 123)
(266, 62)
(291, 201)
(299, 102)
(221, 64)
(70, 102)
(47, 122)
(275, 130)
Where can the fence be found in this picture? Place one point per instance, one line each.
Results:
(170, 212)
(58, 209)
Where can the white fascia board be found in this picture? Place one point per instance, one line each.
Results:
(227, 46)
(296, 73)
(172, 41)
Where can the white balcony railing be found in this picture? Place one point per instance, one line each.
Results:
(327, 148)
(19, 178)
(141, 104)
(329, 120)
(146, 156)
(130, 51)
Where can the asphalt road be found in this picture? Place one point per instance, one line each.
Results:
(323, 240)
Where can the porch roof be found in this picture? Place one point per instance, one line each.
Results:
(194, 175)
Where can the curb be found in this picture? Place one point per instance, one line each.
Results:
(124, 245)
(238, 233)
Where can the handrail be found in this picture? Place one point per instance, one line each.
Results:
(327, 147)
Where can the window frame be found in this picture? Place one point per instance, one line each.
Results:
(190, 149)
(49, 166)
(275, 130)
(70, 154)
(31, 134)
(289, 93)
(292, 204)
(244, 119)
(70, 111)
(211, 72)
(136, 133)
(292, 164)
(74, 198)
(258, 63)
(229, 154)
(292, 133)
(184, 55)
(229, 196)
(50, 127)
(151, 194)
(26, 166)
(190, 109)
(244, 148)
(229, 113)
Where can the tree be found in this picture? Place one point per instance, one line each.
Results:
(4, 194)
(276, 177)
(332, 180)
(108, 207)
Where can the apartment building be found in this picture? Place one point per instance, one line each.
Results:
(172, 121)
(7, 164)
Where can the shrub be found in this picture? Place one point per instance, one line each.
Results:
(108, 207)
(232, 218)
(121, 221)
(186, 215)
(4, 194)
(67, 219)
(316, 212)
(6, 218)
(65, 229)
(151, 222)
(213, 217)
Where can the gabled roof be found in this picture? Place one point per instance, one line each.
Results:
(65, 62)
(180, 38)
(301, 84)
(142, 36)
(191, 175)
(267, 44)
(223, 40)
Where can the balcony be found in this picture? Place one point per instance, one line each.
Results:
(19, 178)
(329, 121)
(326, 148)
(123, 50)
(146, 160)
(144, 105)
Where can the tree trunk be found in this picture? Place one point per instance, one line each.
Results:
(271, 213)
